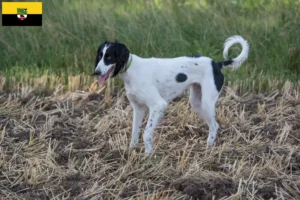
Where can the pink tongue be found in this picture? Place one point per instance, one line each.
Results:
(105, 76)
(101, 79)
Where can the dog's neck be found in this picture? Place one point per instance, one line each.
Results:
(126, 72)
(128, 64)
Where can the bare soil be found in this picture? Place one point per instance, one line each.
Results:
(74, 146)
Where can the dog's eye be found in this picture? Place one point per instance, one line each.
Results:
(107, 57)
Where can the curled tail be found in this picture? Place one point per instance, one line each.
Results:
(235, 62)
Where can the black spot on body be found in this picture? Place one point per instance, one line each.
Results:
(196, 64)
(181, 77)
(218, 76)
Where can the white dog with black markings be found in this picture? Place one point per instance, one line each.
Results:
(154, 82)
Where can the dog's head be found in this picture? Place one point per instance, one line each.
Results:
(111, 59)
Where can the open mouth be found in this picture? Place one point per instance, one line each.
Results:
(105, 76)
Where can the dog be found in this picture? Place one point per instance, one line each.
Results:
(153, 82)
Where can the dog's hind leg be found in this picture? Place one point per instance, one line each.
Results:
(138, 115)
(203, 100)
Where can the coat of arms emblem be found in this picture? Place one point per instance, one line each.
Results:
(22, 13)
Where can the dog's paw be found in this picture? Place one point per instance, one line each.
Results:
(148, 155)
(148, 152)
(132, 145)
(210, 142)
(209, 146)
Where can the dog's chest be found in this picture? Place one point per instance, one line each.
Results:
(135, 94)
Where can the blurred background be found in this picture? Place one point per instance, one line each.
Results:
(63, 50)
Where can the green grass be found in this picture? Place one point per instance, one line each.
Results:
(72, 30)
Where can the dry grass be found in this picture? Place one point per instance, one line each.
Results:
(259, 84)
(75, 146)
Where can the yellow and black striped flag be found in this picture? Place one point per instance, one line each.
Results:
(21, 13)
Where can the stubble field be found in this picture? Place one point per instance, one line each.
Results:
(75, 146)
(58, 142)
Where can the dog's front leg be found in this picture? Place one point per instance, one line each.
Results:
(156, 112)
(138, 115)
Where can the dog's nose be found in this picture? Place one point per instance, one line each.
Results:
(97, 72)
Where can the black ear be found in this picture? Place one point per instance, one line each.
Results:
(122, 55)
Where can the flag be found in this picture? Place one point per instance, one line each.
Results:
(21, 13)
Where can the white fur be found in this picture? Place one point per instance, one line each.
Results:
(243, 55)
(150, 83)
